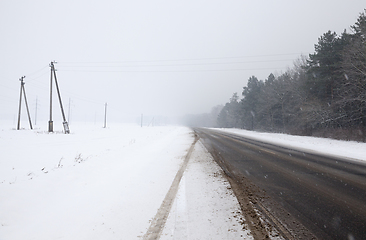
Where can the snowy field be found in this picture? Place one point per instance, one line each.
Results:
(98, 183)
(355, 151)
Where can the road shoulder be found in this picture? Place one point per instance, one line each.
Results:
(205, 206)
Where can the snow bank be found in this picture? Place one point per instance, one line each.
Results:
(353, 150)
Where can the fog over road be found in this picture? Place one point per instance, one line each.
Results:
(302, 193)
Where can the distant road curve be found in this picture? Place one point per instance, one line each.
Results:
(309, 194)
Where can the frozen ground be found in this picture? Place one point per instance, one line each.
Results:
(352, 150)
(109, 183)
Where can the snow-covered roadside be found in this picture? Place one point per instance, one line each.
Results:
(205, 206)
(109, 185)
(350, 149)
(103, 183)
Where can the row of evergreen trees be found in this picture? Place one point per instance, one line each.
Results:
(324, 93)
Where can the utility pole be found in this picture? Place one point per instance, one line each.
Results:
(105, 115)
(65, 124)
(20, 101)
(50, 122)
(22, 91)
(142, 117)
(26, 104)
(35, 119)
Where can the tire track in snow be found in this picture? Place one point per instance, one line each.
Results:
(158, 223)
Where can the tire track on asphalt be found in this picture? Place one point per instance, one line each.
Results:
(158, 223)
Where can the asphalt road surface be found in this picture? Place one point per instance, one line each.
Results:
(310, 195)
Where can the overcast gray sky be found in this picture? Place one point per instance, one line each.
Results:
(162, 57)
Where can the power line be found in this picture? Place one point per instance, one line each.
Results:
(7, 87)
(82, 98)
(186, 64)
(107, 65)
(34, 78)
(33, 73)
(172, 71)
(7, 99)
(190, 59)
(43, 86)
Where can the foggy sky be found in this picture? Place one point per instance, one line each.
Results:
(157, 58)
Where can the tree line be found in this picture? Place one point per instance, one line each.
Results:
(323, 94)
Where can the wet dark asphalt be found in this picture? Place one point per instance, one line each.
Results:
(326, 194)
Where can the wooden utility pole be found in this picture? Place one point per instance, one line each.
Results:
(105, 115)
(20, 101)
(50, 122)
(22, 91)
(65, 124)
